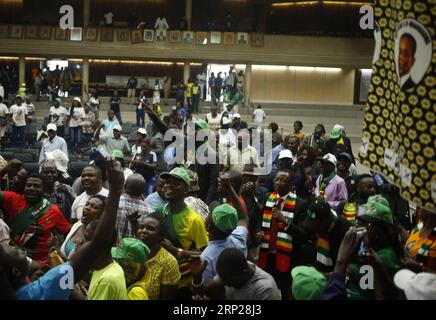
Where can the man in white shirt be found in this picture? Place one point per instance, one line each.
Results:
(19, 113)
(109, 18)
(4, 111)
(92, 183)
(57, 115)
(238, 156)
(53, 142)
(161, 23)
(2, 91)
(259, 116)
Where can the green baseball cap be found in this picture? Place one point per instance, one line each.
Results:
(335, 133)
(131, 249)
(58, 100)
(376, 212)
(225, 218)
(379, 199)
(201, 124)
(117, 154)
(178, 173)
(307, 283)
(18, 96)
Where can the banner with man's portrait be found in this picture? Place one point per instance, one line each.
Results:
(399, 130)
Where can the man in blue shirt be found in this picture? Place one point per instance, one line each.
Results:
(110, 123)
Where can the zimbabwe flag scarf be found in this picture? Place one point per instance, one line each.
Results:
(283, 243)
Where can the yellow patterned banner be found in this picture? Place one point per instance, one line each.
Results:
(399, 130)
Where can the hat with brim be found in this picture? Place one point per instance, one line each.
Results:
(131, 249)
(286, 154)
(416, 286)
(307, 283)
(225, 218)
(61, 159)
(142, 131)
(117, 128)
(335, 133)
(19, 97)
(345, 155)
(376, 212)
(329, 158)
(52, 127)
(117, 154)
(178, 173)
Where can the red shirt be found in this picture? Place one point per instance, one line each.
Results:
(53, 219)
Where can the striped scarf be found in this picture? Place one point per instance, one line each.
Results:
(323, 255)
(350, 211)
(283, 242)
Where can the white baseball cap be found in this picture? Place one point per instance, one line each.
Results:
(77, 99)
(174, 108)
(338, 127)
(286, 154)
(416, 286)
(61, 159)
(117, 127)
(226, 120)
(236, 115)
(52, 126)
(142, 131)
(329, 158)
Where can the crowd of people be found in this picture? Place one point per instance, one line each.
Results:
(137, 225)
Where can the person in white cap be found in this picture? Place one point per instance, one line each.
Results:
(141, 134)
(76, 117)
(117, 142)
(53, 142)
(329, 185)
(285, 159)
(416, 286)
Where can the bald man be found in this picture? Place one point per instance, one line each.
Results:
(131, 205)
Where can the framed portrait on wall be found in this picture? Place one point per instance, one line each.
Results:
(242, 38)
(44, 33)
(175, 36)
(76, 34)
(161, 35)
(148, 35)
(107, 34)
(188, 36)
(91, 34)
(257, 39)
(229, 38)
(31, 32)
(60, 34)
(201, 37)
(17, 32)
(215, 37)
(122, 35)
(4, 31)
(136, 36)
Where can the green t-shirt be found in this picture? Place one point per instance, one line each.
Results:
(108, 283)
(389, 260)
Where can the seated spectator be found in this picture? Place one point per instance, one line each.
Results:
(131, 255)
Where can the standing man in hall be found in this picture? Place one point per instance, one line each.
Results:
(131, 88)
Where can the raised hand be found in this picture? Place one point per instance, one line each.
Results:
(115, 175)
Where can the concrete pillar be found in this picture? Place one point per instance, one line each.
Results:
(21, 71)
(86, 12)
(85, 79)
(186, 72)
(188, 12)
(247, 85)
